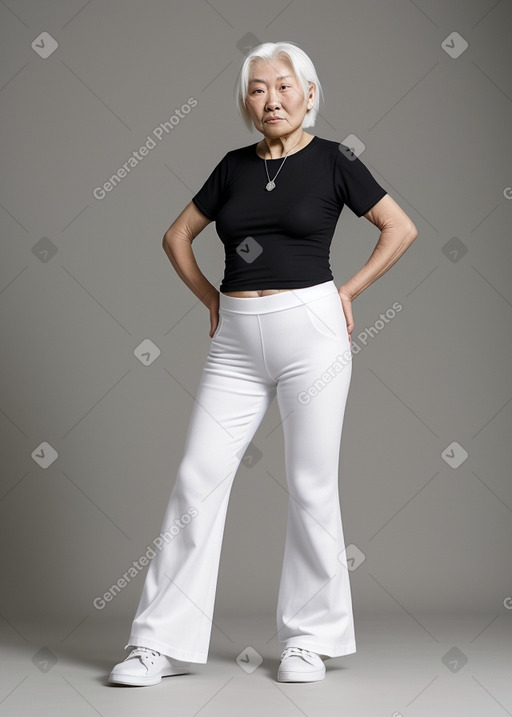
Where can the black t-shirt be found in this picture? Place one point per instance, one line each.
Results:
(281, 239)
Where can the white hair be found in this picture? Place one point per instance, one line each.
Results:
(302, 66)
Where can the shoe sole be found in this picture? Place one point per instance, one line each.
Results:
(300, 676)
(135, 681)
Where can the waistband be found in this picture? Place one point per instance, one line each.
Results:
(275, 302)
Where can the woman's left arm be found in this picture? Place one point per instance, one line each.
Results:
(397, 233)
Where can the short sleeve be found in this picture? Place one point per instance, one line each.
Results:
(355, 185)
(211, 196)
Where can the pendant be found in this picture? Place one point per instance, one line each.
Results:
(270, 186)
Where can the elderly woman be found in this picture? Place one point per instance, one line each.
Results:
(279, 325)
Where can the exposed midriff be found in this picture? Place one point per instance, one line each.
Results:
(254, 292)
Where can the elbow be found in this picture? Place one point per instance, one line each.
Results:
(167, 242)
(411, 233)
(175, 238)
(167, 238)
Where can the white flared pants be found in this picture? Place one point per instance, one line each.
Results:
(295, 345)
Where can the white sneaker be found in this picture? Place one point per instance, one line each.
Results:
(145, 666)
(300, 665)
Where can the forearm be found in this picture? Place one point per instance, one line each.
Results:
(181, 255)
(392, 243)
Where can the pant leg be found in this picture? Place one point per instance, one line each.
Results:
(175, 610)
(311, 359)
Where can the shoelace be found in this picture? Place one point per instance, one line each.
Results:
(301, 652)
(143, 653)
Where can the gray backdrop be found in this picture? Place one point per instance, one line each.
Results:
(425, 484)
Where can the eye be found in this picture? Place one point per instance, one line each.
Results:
(260, 90)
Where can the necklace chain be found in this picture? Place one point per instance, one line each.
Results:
(271, 182)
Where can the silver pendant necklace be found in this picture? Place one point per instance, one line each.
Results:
(271, 182)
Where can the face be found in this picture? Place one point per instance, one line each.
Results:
(274, 90)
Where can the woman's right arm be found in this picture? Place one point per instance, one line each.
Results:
(177, 244)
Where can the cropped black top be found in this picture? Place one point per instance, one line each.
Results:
(281, 239)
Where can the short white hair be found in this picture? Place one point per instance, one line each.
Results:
(303, 68)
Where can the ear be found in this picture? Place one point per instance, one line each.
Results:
(312, 93)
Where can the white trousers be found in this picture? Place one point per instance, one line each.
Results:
(294, 344)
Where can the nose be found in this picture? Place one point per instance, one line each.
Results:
(272, 103)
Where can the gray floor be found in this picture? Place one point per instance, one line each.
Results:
(424, 666)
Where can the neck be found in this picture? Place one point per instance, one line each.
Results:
(279, 147)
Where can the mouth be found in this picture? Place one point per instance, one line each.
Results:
(274, 120)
